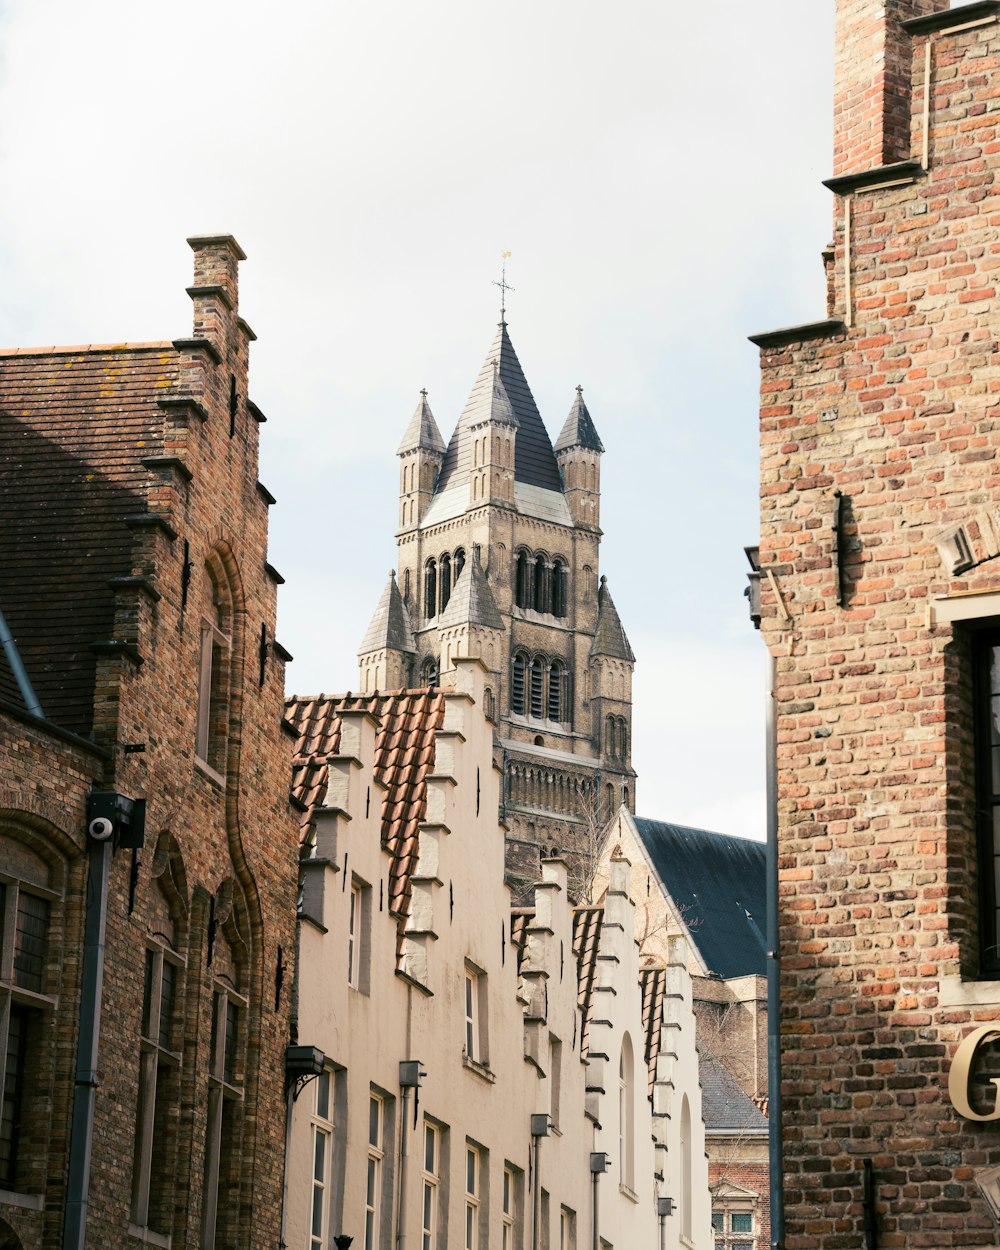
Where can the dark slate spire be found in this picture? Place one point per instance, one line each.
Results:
(422, 434)
(390, 626)
(579, 430)
(534, 460)
(471, 599)
(609, 637)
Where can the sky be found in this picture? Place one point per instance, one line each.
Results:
(655, 170)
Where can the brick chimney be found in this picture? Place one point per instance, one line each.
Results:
(871, 105)
(215, 293)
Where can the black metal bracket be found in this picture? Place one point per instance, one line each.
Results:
(838, 544)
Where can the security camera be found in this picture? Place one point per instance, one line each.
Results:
(100, 829)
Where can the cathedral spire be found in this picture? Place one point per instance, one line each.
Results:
(579, 429)
(422, 434)
(609, 637)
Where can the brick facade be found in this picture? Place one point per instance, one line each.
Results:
(879, 489)
(138, 591)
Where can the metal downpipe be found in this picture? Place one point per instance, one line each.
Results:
(775, 1139)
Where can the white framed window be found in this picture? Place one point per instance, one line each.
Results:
(322, 1144)
(734, 1228)
(25, 1007)
(359, 935)
(508, 1211)
(431, 1187)
(473, 1181)
(476, 1016)
(567, 1229)
(376, 1159)
(626, 1115)
(159, 1064)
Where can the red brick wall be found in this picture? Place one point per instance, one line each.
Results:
(753, 1177)
(877, 845)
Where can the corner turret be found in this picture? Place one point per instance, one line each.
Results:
(578, 450)
(386, 652)
(421, 453)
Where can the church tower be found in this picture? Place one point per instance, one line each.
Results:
(498, 546)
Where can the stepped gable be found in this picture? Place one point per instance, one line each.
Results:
(72, 418)
(610, 638)
(534, 459)
(653, 984)
(587, 923)
(718, 886)
(724, 1104)
(404, 758)
(471, 601)
(389, 629)
(579, 429)
(422, 434)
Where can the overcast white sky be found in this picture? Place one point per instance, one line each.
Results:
(654, 167)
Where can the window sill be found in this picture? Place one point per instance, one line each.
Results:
(480, 1069)
(148, 1237)
(27, 1202)
(208, 771)
(628, 1193)
(955, 991)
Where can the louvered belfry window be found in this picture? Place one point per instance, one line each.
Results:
(537, 705)
(517, 686)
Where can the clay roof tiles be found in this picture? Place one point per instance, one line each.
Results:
(587, 923)
(404, 758)
(652, 983)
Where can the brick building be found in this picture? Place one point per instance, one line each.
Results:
(498, 543)
(880, 606)
(142, 1097)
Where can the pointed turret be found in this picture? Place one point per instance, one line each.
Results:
(385, 653)
(578, 451)
(421, 452)
(472, 601)
(609, 637)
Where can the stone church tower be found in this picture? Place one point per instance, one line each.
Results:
(498, 545)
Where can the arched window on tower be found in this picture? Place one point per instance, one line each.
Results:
(540, 590)
(559, 581)
(459, 562)
(430, 589)
(557, 681)
(522, 579)
(517, 684)
(537, 682)
(429, 672)
(444, 579)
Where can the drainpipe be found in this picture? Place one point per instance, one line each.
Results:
(85, 1088)
(599, 1164)
(539, 1129)
(775, 1141)
(411, 1073)
(17, 668)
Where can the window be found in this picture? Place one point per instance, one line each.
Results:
(159, 1064)
(536, 687)
(322, 1141)
(475, 1013)
(733, 1230)
(517, 685)
(555, 1079)
(472, 1197)
(430, 589)
(523, 571)
(559, 583)
(359, 936)
(626, 1115)
(212, 727)
(556, 675)
(686, 1213)
(510, 1213)
(431, 1188)
(459, 563)
(539, 688)
(376, 1157)
(986, 683)
(429, 673)
(444, 580)
(567, 1229)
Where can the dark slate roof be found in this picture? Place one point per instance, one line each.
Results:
(72, 421)
(534, 459)
(422, 432)
(390, 626)
(718, 884)
(579, 429)
(471, 599)
(724, 1104)
(609, 637)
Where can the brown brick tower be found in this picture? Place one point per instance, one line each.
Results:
(880, 561)
(142, 1103)
(498, 542)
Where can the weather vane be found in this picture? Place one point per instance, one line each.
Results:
(503, 284)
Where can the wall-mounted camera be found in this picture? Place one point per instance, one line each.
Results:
(115, 817)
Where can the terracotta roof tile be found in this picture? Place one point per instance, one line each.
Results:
(587, 923)
(652, 983)
(520, 922)
(404, 758)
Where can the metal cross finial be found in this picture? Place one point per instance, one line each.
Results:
(503, 284)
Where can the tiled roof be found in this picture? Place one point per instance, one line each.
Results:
(75, 424)
(718, 885)
(422, 432)
(471, 601)
(609, 637)
(724, 1104)
(579, 429)
(390, 626)
(404, 758)
(534, 459)
(587, 923)
(652, 983)
(9, 690)
(520, 921)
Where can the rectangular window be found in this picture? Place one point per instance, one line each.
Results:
(986, 680)
(225, 1093)
(555, 1079)
(507, 1218)
(476, 1016)
(376, 1156)
(567, 1229)
(472, 1181)
(741, 1222)
(322, 1134)
(211, 730)
(431, 1188)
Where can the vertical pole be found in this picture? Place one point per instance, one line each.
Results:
(88, 1041)
(536, 1214)
(401, 1201)
(597, 1223)
(775, 1141)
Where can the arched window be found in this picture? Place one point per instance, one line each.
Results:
(609, 800)
(489, 704)
(626, 1113)
(517, 685)
(429, 672)
(685, 1203)
(556, 683)
(609, 736)
(212, 727)
(444, 579)
(622, 738)
(540, 590)
(522, 580)
(537, 681)
(406, 585)
(430, 589)
(459, 562)
(559, 588)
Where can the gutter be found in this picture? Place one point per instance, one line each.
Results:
(775, 1138)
